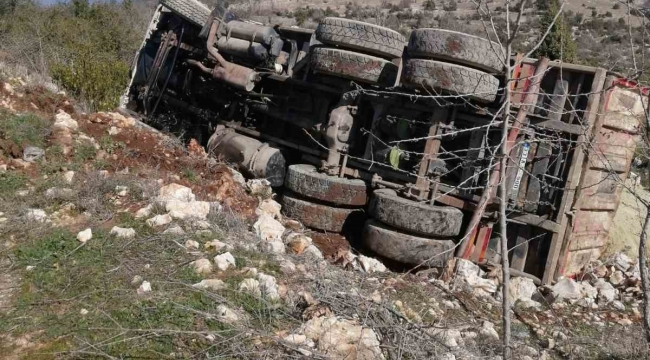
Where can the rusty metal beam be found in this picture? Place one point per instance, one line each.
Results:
(431, 147)
(520, 122)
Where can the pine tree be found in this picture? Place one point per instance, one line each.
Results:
(80, 7)
(558, 44)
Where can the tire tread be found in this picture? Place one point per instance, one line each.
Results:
(456, 47)
(306, 181)
(354, 66)
(361, 36)
(193, 11)
(415, 217)
(317, 216)
(450, 79)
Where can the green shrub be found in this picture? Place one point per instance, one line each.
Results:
(109, 145)
(23, 130)
(451, 6)
(98, 79)
(84, 152)
(558, 44)
(86, 47)
(429, 5)
(10, 182)
(48, 249)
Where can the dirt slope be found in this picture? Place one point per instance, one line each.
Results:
(234, 280)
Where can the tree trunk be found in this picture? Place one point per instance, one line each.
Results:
(505, 262)
(645, 280)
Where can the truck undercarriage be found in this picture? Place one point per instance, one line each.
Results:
(366, 130)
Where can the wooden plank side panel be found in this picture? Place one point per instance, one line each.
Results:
(573, 180)
(534, 192)
(600, 189)
(613, 150)
(559, 96)
(520, 252)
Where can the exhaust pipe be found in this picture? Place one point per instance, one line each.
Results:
(256, 159)
(235, 75)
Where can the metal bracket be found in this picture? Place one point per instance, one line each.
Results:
(293, 57)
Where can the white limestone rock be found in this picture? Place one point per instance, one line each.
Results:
(202, 266)
(224, 261)
(174, 230)
(85, 235)
(268, 229)
(521, 288)
(68, 177)
(371, 265)
(226, 315)
(144, 212)
(210, 284)
(250, 286)
(175, 192)
(122, 233)
(144, 288)
(342, 339)
(182, 210)
(192, 245)
(272, 247)
(36, 215)
(567, 289)
(159, 220)
(268, 286)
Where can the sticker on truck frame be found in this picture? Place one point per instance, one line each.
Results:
(520, 172)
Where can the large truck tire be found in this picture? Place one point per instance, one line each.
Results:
(456, 47)
(406, 248)
(354, 66)
(305, 180)
(440, 77)
(318, 216)
(360, 36)
(193, 11)
(419, 218)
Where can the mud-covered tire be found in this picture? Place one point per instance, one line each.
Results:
(456, 47)
(419, 218)
(193, 11)
(360, 36)
(307, 181)
(435, 76)
(405, 248)
(354, 66)
(317, 216)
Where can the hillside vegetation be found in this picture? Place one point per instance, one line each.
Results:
(87, 48)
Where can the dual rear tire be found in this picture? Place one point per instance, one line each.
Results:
(400, 229)
(323, 202)
(452, 63)
(357, 51)
(411, 232)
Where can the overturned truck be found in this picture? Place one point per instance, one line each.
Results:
(360, 128)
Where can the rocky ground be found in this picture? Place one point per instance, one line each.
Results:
(119, 242)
